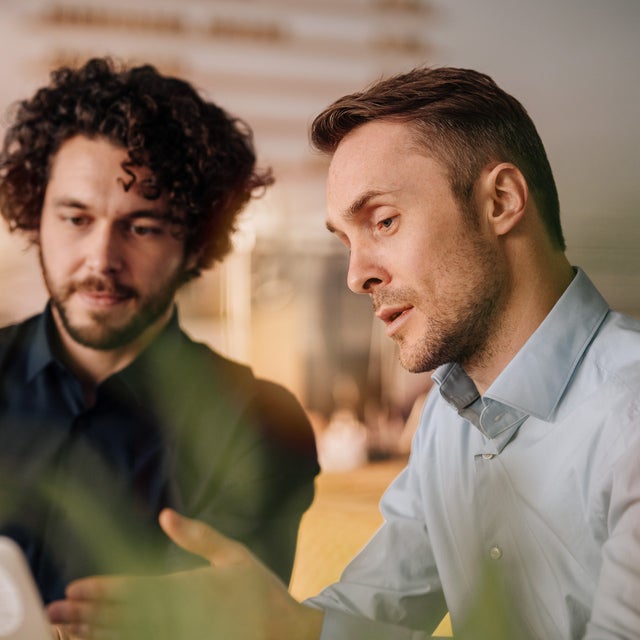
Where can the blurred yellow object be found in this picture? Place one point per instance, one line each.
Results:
(342, 518)
(444, 628)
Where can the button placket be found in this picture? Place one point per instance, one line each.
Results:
(490, 475)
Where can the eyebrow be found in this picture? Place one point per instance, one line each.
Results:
(357, 205)
(154, 214)
(72, 203)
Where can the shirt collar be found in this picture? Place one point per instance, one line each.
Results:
(136, 377)
(39, 352)
(538, 375)
(535, 379)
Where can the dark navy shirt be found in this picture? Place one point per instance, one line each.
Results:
(81, 487)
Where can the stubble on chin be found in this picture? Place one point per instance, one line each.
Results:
(466, 338)
(108, 329)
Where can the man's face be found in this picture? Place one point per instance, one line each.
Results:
(109, 256)
(432, 268)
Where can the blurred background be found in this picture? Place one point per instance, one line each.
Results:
(279, 302)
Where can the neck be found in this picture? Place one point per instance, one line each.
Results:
(93, 366)
(528, 301)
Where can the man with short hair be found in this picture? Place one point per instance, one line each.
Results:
(519, 510)
(129, 183)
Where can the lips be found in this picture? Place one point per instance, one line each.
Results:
(390, 314)
(394, 317)
(102, 300)
(101, 293)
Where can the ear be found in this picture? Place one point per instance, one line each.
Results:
(191, 264)
(33, 237)
(192, 261)
(506, 195)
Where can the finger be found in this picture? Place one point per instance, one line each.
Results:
(198, 538)
(99, 588)
(69, 612)
(89, 620)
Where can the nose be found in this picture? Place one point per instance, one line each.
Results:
(365, 272)
(104, 253)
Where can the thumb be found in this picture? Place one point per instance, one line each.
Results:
(201, 539)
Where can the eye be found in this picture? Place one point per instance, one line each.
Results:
(387, 223)
(144, 229)
(76, 221)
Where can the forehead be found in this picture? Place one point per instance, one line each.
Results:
(82, 151)
(369, 147)
(94, 167)
(380, 157)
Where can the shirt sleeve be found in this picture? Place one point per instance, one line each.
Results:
(240, 452)
(281, 466)
(339, 625)
(393, 580)
(616, 607)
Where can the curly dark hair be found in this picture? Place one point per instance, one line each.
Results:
(199, 155)
(462, 118)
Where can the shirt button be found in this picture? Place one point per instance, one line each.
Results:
(495, 553)
(488, 456)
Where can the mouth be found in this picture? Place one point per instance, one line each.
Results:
(102, 300)
(104, 294)
(393, 317)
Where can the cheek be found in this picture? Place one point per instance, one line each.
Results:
(60, 259)
(51, 257)
(54, 248)
(156, 268)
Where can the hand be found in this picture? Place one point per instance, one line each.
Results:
(235, 598)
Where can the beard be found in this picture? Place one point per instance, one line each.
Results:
(460, 325)
(105, 331)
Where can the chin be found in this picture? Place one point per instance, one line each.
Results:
(416, 358)
(411, 364)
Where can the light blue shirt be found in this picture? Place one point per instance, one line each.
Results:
(521, 507)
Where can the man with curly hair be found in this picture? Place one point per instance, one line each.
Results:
(129, 184)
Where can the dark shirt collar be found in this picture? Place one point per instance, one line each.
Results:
(41, 352)
(139, 377)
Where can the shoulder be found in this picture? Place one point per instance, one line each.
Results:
(186, 360)
(13, 331)
(273, 410)
(17, 336)
(601, 403)
(620, 330)
(615, 351)
(282, 417)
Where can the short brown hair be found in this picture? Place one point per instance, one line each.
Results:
(463, 119)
